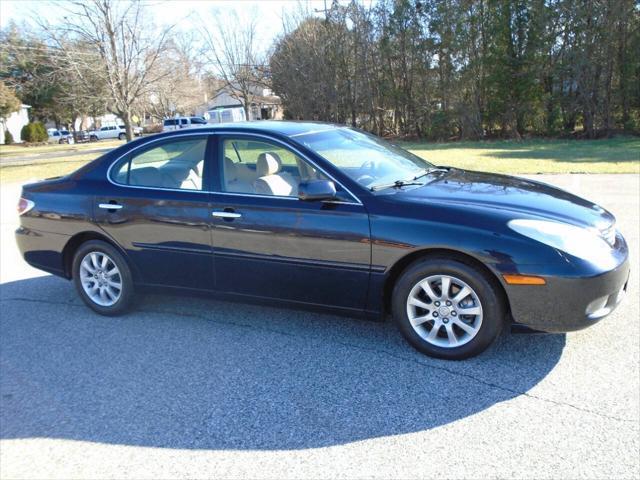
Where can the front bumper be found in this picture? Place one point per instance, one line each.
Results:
(568, 304)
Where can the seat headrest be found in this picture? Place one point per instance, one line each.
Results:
(269, 163)
(230, 169)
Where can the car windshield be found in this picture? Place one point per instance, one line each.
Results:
(369, 160)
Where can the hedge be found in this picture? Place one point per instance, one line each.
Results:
(34, 132)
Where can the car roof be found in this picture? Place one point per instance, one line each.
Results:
(286, 128)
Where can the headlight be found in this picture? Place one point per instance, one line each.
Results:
(579, 242)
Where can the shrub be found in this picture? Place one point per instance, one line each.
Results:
(34, 132)
(157, 128)
(8, 138)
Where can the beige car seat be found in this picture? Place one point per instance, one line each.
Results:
(232, 180)
(271, 180)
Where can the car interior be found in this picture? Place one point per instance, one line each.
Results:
(258, 168)
(176, 165)
(261, 168)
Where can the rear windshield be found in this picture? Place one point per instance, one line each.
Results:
(198, 120)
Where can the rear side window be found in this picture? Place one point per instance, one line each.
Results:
(175, 165)
(169, 123)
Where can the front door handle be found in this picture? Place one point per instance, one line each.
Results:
(110, 206)
(226, 214)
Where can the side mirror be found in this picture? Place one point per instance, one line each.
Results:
(317, 190)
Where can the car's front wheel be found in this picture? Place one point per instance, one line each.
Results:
(122, 136)
(447, 309)
(103, 278)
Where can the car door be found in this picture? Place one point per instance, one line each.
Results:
(271, 244)
(156, 206)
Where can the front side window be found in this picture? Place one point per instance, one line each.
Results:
(367, 159)
(264, 168)
(175, 165)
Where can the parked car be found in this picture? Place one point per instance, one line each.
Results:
(107, 131)
(59, 136)
(323, 216)
(178, 123)
(137, 131)
(81, 136)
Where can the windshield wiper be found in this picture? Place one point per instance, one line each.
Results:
(431, 170)
(396, 184)
(411, 181)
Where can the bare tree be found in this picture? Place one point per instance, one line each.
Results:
(181, 88)
(234, 52)
(127, 44)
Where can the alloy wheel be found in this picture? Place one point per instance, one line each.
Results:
(444, 311)
(100, 278)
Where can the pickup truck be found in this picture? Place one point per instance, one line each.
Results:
(112, 131)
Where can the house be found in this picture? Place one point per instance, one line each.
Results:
(14, 123)
(264, 105)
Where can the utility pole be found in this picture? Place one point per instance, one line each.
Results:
(322, 10)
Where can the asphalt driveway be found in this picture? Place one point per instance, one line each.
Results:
(192, 387)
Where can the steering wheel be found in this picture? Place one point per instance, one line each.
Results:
(367, 178)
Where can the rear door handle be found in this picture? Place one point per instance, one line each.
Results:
(110, 206)
(226, 214)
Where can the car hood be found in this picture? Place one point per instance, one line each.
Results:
(513, 195)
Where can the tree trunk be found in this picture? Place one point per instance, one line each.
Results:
(126, 117)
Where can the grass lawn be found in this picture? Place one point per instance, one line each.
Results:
(20, 149)
(617, 155)
(40, 170)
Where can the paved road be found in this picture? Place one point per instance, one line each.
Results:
(199, 388)
(10, 160)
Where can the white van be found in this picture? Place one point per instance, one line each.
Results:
(226, 115)
(177, 123)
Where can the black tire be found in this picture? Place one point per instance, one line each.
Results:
(93, 138)
(493, 306)
(122, 136)
(127, 292)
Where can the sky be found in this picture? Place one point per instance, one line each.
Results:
(183, 12)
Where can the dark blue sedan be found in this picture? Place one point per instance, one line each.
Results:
(324, 216)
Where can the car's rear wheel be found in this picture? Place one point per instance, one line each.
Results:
(102, 278)
(447, 309)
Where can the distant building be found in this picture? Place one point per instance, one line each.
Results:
(14, 123)
(265, 105)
